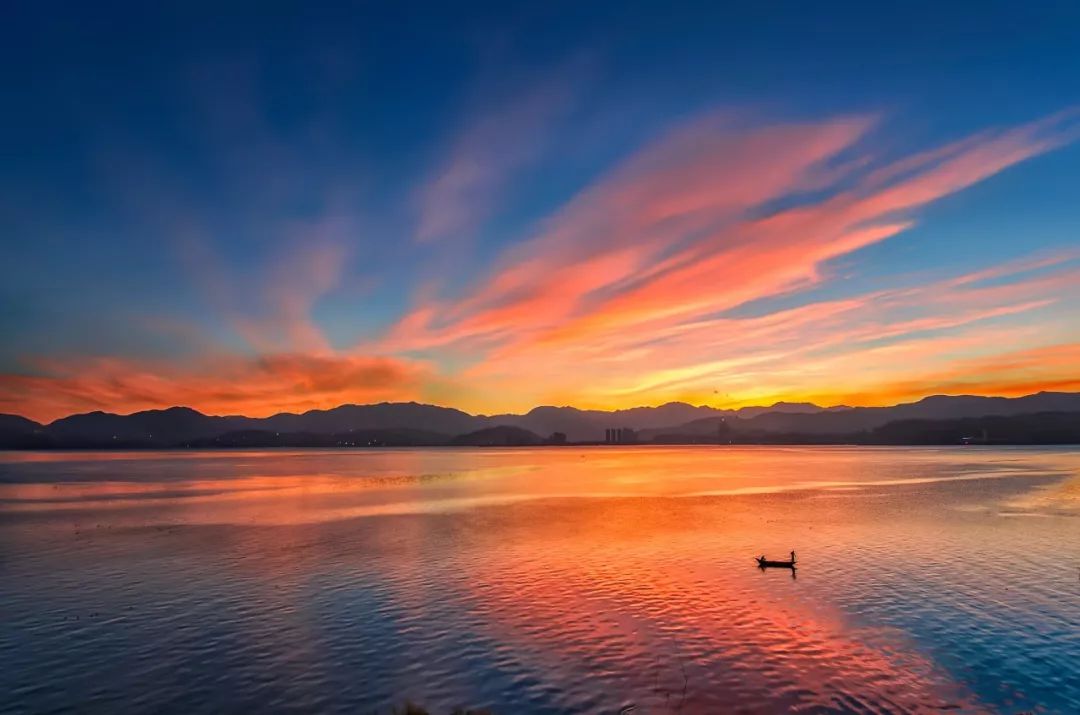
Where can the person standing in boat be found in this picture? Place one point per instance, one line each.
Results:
(793, 556)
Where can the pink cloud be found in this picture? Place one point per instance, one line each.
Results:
(635, 223)
(672, 235)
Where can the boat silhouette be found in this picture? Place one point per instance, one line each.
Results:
(765, 563)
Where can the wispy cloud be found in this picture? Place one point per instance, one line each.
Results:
(862, 342)
(273, 311)
(494, 145)
(290, 290)
(627, 281)
(672, 234)
(634, 226)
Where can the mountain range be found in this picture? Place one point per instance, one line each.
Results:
(414, 423)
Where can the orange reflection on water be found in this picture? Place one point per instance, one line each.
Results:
(669, 606)
(294, 487)
(612, 575)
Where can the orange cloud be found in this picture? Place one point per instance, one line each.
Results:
(1009, 374)
(257, 387)
(863, 340)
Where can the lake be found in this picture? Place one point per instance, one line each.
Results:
(550, 580)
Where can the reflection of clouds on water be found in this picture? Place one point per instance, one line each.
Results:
(544, 580)
(740, 640)
(315, 486)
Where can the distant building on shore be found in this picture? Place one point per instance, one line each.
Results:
(984, 438)
(620, 435)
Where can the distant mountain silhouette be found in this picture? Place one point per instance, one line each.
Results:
(589, 425)
(935, 407)
(411, 415)
(705, 427)
(1038, 428)
(501, 436)
(790, 408)
(185, 426)
(160, 427)
(410, 423)
(395, 437)
(20, 433)
(14, 424)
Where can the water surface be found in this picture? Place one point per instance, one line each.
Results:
(541, 580)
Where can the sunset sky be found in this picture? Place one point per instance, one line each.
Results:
(278, 207)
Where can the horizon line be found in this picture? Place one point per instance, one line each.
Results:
(536, 407)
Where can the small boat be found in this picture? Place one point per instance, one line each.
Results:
(765, 563)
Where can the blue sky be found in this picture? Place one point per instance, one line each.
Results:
(188, 188)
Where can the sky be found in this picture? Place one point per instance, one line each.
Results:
(250, 208)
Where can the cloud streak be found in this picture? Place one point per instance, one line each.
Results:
(467, 184)
(673, 235)
(863, 340)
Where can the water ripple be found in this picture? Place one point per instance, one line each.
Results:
(553, 583)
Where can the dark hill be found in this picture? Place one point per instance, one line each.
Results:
(1039, 428)
(500, 436)
(578, 425)
(394, 437)
(385, 415)
(708, 428)
(181, 426)
(791, 408)
(148, 428)
(589, 425)
(859, 419)
(14, 424)
(20, 433)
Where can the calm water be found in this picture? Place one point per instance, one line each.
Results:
(541, 581)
